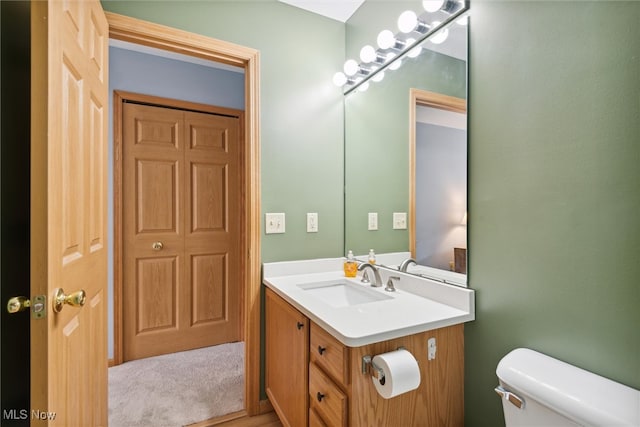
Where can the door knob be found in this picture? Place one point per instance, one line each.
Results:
(157, 246)
(75, 299)
(17, 304)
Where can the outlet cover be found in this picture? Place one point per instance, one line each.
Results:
(274, 223)
(399, 220)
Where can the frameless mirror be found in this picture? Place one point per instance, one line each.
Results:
(406, 160)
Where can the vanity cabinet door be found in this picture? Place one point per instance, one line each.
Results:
(286, 359)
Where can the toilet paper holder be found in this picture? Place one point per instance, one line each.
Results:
(368, 367)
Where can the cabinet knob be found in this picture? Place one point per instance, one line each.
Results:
(300, 325)
(320, 396)
(321, 349)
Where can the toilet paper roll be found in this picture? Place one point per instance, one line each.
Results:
(401, 373)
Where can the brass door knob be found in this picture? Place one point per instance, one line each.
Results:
(17, 304)
(75, 299)
(157, 246)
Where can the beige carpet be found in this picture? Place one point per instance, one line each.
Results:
(177, 389)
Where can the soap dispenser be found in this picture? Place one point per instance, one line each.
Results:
(372, 256)
(350, 266)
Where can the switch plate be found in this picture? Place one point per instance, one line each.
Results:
(399, 220)
(312, 222)
(373, 221)
(274, 223)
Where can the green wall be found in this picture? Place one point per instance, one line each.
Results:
(301, 111)
(554, 190)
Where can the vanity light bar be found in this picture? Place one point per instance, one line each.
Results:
(392, 48)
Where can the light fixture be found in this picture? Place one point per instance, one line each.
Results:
(409, 22)
(339, 79)
(432, 6)
(351, 67)
(395, 64)
(368, 54)
(386, 39)
(378, 77)
(440, 36)
(393, 47)
(415, 52)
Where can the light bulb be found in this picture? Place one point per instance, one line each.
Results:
(386, 39)
(440, 36)
(432, 5)
(339, 79)
(363, 87)
(463, 21)
(396, 64)
(407, 21)
(367, 54)
(415, 51)
(350, 67)
(378, 77)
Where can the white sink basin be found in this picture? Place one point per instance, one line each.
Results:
(342, 294)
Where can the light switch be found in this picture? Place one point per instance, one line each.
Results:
(312, 222)
(373, 221)
(274, 223)
(399, 220)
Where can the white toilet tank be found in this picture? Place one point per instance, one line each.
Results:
(538, 390)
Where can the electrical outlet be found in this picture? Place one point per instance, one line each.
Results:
(373, 221)
(274, 223)
(431, 348)
(399, 220)
(312, 222)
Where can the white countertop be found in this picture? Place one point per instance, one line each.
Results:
(418, 304)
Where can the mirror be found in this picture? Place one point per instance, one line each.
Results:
(405, 152)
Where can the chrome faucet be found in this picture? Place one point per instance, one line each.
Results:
(378, 280)
(390, 287)
(405, 264)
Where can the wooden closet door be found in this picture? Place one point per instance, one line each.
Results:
(213, 225)
(181, 230)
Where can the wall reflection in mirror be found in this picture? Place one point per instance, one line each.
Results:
(406, 152)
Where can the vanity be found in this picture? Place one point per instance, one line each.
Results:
(321, 326)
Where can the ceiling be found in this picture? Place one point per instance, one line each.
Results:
(340, 10)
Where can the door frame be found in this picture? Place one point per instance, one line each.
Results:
(424, 98)
(171, 39)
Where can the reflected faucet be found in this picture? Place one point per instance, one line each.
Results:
(405, 264)
(378, 280)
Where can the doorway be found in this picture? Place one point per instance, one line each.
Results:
(442, 109)
(173, 40)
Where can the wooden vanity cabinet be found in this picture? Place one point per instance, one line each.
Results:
(338, 394)
(286, 360)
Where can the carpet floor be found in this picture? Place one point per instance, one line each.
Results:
(177, 389)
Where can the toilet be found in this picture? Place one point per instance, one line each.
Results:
(538, 390)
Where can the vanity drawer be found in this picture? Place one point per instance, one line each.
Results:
(326, 398)
(330, 354)
(315, 420)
